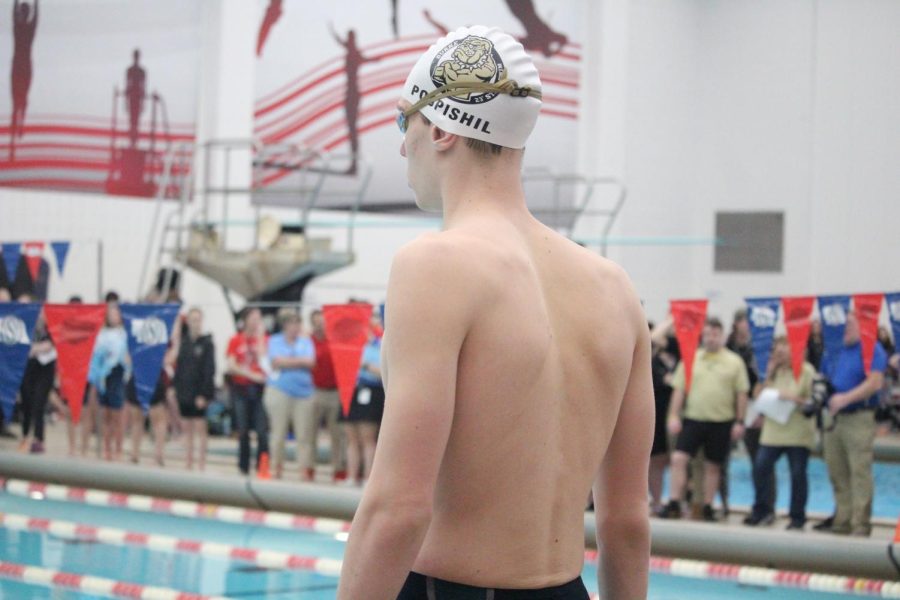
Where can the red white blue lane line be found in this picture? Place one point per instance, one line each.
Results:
(673, 566)
(98, 586)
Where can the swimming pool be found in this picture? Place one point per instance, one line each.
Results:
(196, 570)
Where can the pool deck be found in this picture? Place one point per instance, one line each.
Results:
(221, 462)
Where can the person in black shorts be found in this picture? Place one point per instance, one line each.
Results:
(195, 369)
(714, 407)
(109, 374)
(366, 409)
(37, 383)
(665, 358)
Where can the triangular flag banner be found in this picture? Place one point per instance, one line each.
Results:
(833, 312)
(149, 328)
(60, 251)
(33, 252)
(762, 316)
(11, 255)
(797, 313)
(893, 306)
(16, 325)
(346, 326)
(74, 328)
(689, 317)
(867, 308)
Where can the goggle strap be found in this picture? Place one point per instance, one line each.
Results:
(504, 86)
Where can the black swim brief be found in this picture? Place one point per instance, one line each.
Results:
(421, 587)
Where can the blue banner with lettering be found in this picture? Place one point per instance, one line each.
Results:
(893, 305)
(833, 312)
(16, 326)
(149, 328)
(762, 316)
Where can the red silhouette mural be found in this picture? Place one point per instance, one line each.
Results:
(135, 93)
(538, 35)
(24, 27)
(353, 60)
(435, 23)
(273, 13)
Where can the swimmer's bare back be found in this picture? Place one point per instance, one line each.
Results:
(517, 374)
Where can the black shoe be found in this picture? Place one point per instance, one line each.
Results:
(672, 510)
(709, 514)
(795, 525)
(754, 519)
(825, 525)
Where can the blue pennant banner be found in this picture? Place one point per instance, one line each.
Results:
(833, 313)
(149, 328)
(61, 251)
(762, 316)
(11, 255)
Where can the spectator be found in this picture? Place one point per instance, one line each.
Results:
(739, 342)
(366, 409)
(37, 382)
(713, 416)
(109, 373)
(194, 383)
(665, 358)
(5, 295)
(288, 396)
(848, 444)
(327, 399)
(245, 351)
(795, 438)
(135, 418)
(815, 345)
(885, 339)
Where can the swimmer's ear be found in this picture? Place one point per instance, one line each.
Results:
(442, 140)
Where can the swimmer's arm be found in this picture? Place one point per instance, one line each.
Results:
(620, 491)
(428, 311)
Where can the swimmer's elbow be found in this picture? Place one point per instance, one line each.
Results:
(410, 509)
(632, 529)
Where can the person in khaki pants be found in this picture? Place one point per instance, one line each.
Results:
(849, 444)
(289, 390)
(327, 399)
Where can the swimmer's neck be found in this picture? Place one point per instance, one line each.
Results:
(494, 186)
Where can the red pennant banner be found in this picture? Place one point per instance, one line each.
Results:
(797, 314)
(33, 252)
(867, 308)
(346, 326)
(74, 328)
(689, 317)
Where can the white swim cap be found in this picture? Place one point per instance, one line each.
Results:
(480, 84)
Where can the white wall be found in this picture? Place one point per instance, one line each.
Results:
(775, 104)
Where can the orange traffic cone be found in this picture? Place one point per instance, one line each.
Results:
(897, 533)
(262, 472)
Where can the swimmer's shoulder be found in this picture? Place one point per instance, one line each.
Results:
(447, 260)
(608, 280)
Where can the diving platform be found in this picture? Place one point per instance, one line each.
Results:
(220, 231)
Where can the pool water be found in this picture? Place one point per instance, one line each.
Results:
(886, 502)
(235, 579)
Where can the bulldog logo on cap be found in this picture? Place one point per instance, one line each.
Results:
(470, 59)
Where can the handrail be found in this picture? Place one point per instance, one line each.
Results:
(701, 541)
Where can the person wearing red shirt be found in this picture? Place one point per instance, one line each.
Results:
(246, 350)
(327, 399)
